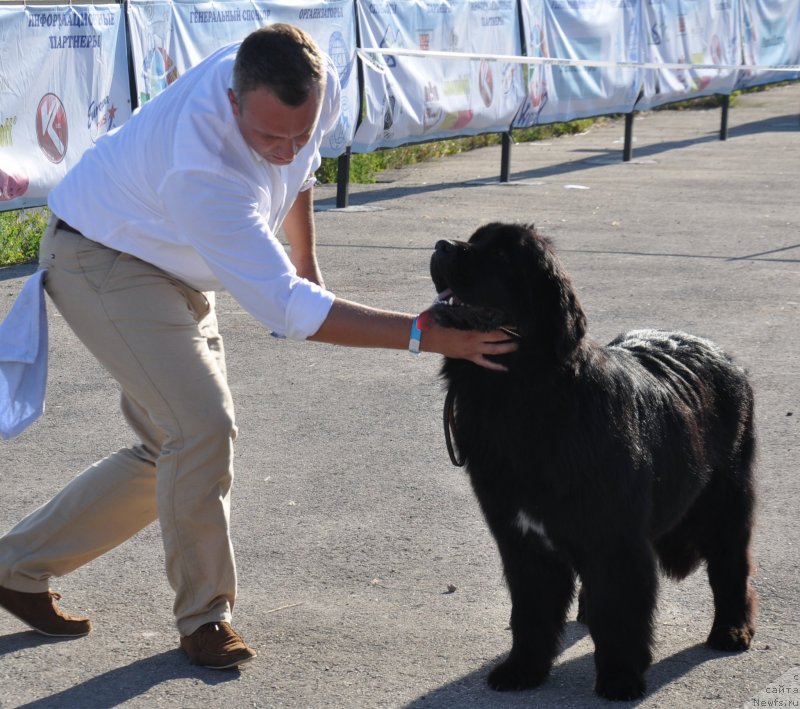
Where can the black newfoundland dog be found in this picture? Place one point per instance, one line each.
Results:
(601, 462)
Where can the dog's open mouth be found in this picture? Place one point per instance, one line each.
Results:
(451, 311)
(447, 297)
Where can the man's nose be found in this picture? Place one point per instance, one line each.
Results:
(286, 150)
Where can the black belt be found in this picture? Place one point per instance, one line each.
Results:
(61, 224)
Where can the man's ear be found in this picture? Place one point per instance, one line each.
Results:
(234, 102)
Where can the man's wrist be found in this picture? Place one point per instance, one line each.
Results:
(415, 338)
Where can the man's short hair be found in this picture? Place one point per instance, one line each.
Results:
(282, 58)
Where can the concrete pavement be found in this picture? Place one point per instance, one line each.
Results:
(367, 575)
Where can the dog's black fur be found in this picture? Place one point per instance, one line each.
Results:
(597, 461)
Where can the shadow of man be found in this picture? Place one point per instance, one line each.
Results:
(120, 684)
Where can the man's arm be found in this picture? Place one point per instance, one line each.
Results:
(358, 325)
(298, 226)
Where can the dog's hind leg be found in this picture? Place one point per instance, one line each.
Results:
(725, 514)
(621, 586)
(541, 587)
(734, 600)
(725, 544)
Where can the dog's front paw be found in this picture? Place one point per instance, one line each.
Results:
(620, 687)
(514, 675)
(730, 639)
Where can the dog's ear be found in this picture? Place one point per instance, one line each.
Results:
(558, 318)
(574, 322)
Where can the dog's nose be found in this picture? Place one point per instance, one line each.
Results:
(445, 245)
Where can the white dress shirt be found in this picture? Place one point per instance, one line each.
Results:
(177, 186)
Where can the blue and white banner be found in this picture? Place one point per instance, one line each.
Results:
(415, 99)
(599, 30)
(770, 37)
(64, 76)
(63, 83)
(168, 37)
(689, 32)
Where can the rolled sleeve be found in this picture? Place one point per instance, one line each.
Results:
(306, 310)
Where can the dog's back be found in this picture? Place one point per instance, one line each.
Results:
(713, 425)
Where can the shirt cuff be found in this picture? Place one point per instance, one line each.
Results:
(308, 306)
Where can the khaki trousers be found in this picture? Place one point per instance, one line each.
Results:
(158, 338)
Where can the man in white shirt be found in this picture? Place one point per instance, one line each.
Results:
(186, 198)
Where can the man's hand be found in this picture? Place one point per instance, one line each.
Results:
(358, 325)
(471, 345)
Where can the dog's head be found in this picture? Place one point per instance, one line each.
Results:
(508, 276)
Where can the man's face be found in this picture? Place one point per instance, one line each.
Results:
(274, 130)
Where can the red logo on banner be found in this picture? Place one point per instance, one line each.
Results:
(51, 128)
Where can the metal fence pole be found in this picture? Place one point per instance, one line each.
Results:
(343, 180)
(505, 158)
(627, 151)
(723, 128)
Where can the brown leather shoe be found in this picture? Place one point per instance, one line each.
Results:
(218, 646)
(40, 612)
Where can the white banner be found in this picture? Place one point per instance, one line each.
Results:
(689, 32)
(770, 37)
(600, 30)
(63, 83)
(169, 37)
(64, 77)
(415, 99)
